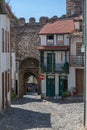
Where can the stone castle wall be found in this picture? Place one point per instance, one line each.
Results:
(25, 38)
(74, 7)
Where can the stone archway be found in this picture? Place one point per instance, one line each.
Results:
(28, 67)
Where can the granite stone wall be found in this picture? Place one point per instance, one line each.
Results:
(74, 7)
(24, 42)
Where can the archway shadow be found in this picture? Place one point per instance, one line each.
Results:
(27, 99)
(21, 119)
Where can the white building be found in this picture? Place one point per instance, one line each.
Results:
(5, 72)
(60, 57)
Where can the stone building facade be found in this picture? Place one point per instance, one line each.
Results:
(74, 7)
(25, 40)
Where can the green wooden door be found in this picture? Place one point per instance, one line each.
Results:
(50, 62)
(50, 86)
(62, 84)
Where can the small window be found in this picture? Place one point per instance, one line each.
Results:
(50, 39)
(68, 12)
(8, 42)
(60, 39)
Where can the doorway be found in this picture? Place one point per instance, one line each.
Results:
(50, 85)
(62, 84)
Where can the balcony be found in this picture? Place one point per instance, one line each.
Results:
(55, 68)
(77, 60)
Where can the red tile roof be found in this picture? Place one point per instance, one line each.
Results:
(49, 48)
(59, 27)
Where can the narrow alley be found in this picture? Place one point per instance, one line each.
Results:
(30, 112)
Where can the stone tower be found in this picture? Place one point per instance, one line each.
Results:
(2, 7)
(74, 7)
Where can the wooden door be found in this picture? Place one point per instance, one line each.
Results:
(79, 81)
(50, 86)
(62, 84)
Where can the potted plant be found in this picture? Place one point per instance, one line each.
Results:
(74, 91)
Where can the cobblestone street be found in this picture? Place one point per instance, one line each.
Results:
(30, 112)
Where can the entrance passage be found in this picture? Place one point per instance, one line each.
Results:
(62, 84)
(50, 86)
(79, 81)
(31, 84)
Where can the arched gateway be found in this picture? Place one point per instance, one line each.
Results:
(28, 67)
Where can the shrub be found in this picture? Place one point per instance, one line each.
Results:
(13, 95)
(66, 94)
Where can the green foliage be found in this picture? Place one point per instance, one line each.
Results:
(66, 94)
(13, 95)
(42, 96)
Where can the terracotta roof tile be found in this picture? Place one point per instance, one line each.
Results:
(59, 27)
(47, 48)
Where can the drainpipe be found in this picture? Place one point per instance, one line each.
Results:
(85, 65)
(65, 56)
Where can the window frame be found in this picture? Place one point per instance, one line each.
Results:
(49, 43)
(58, 38)
(3, 40)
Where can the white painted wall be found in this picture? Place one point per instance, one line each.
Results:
(43, 40)
(13, 70)
(43, 86)
(71, 78)
(4, 57)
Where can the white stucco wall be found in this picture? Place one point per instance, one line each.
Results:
(4, 57)
(43, 40)
(43, 85)
(71, 78)
(13, 70)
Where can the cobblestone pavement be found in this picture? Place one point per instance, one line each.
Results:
(31, 113)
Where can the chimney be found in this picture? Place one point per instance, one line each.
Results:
(2, 7)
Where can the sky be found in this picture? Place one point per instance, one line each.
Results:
(37, 8)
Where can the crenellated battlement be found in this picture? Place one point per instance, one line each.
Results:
(32, 20)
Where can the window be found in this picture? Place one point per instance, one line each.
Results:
(68, 12)
(2, 40)
(60, 39)
(8, 42)
(61, 57)
(5, 41)
(50, 39)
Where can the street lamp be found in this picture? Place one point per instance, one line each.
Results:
(85, 54)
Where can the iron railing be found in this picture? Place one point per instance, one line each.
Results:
(55, 68)
(77, 60)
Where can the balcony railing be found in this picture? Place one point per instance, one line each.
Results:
(77, 60)
(55, 68)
